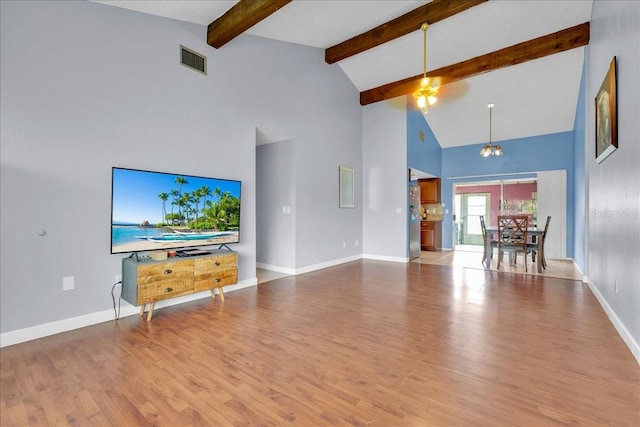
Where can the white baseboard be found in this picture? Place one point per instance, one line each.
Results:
(126, 309)
(327, 264)
(276, 268)
(386, 258)
(615, 320)
(308, 268)
(585, 278)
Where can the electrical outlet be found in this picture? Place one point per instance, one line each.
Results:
(68, 283)
(344, 244)
(615, 286)
(356, 243)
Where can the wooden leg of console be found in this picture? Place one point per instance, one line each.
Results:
(221, 294)
(142, 307)
(150, 313)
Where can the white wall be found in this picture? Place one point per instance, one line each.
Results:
(386, 180)
(552, 201)
(324, 232)
(613, 248)
(87, 86)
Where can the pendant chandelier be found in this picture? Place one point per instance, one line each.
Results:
(489, 149)
(426, 95)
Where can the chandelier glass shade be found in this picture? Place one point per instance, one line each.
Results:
(490, 149)
(425, 96)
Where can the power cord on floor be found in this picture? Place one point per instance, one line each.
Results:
(113, 297)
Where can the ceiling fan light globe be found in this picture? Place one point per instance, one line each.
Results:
(432, 99)
(422, 101)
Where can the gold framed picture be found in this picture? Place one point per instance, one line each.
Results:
(606, 115)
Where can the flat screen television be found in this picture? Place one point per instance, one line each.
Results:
(163, 211)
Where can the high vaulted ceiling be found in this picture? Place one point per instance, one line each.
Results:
(533, 94)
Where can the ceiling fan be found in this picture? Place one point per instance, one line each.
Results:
(249, 12)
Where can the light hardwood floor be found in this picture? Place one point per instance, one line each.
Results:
(363, 343)
(265, 276)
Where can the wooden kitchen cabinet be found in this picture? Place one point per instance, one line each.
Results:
(430, 235)
(429, 190)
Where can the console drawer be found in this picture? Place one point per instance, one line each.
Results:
(216, 279)
(160, 272)
(210, 265)
(212, 273)
(159, 290)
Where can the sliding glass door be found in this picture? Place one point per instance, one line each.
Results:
(473, 205)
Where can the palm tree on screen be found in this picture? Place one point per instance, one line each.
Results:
(180, 181)
(218, 193)
(174, 196)
(205, 191)
(164, 197)
(196, 196)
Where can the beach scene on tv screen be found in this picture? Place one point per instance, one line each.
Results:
(154, 210)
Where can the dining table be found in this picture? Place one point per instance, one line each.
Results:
(536, 235)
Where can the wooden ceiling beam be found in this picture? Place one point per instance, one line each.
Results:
(540, 47)
(242, 16)
(430, 13)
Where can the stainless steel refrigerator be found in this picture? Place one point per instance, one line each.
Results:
(414, 221)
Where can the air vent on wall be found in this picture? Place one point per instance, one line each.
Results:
(193, 60)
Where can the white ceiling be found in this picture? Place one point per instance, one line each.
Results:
(534, 98)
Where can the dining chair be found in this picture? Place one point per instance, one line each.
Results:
(533, 247)
(513, 236)
(485, 236)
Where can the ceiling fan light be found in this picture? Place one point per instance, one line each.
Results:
(426, 95)
(421, 101)
(490, 149)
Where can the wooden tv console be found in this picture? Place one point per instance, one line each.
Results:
(147, 281)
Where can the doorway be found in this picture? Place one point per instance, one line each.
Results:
(275, 206)
(472, 206)
(488, 198)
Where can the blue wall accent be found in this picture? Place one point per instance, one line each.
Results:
(536, 153)
(580, 188)
(422, 155)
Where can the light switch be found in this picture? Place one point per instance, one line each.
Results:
(68, 283)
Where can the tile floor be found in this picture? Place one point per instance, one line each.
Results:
(471, 257)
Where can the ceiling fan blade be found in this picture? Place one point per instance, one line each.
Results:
(452, 91)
